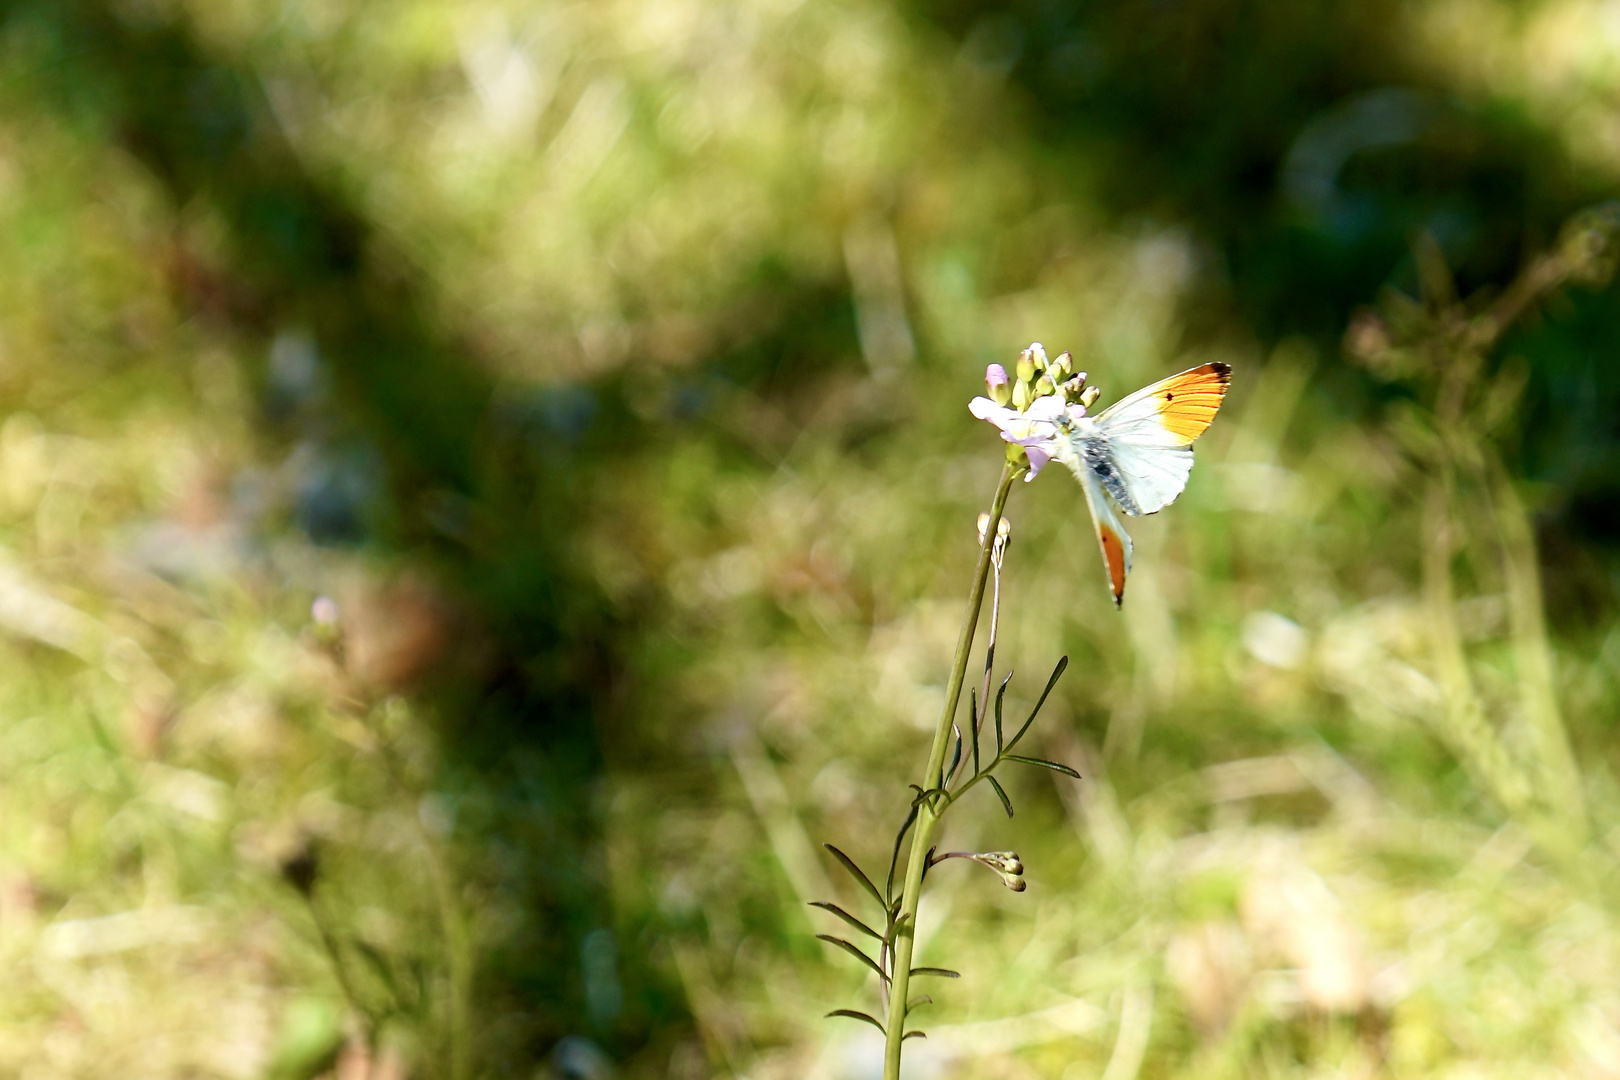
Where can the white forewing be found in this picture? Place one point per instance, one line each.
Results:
(1152, 461)
(1137, 418)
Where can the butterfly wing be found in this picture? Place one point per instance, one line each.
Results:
(1151, 432)
(1111, 535)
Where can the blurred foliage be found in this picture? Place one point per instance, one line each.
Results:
(605, 365)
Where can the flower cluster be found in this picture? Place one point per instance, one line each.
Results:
(1006, 865)
(1026, 409)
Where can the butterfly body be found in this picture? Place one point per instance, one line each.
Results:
(1088, 452)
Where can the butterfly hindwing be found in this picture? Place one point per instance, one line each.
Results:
(1152, 475)
(1111, 535)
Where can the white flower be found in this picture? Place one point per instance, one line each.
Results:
(1035, 429)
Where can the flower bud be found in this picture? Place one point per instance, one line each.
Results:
(1089, 396)
(1062, 366)
(998, 552)
(1367, 339)
(1007, 866)
(1043, 386)
(1037, 353)
(1003, 530)
(995, 380)
(1021, 396)
(1072, 389)
(1005, 861)
(324, 611)
(325, 625)
(1026, 366)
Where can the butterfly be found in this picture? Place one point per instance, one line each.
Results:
(1136, 455)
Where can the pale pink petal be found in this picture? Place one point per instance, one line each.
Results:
(1037, 458)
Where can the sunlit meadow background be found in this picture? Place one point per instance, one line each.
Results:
(604, 366)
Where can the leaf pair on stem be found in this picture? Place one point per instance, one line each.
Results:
(893, 919)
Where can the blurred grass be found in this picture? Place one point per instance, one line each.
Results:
(607, 364)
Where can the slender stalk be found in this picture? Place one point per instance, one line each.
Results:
(1533, 660)
(990, 646)
(922, 833)
(452, 924)
(351, 993)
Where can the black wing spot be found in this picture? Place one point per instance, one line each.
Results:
(1168, 396)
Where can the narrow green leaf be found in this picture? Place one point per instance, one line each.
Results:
(914, 1035)
(856, 953)
(928, 863)
(1001, 793)
(973, 718)
(944, 973)
(1057, 673)
(379, 965)
(853, 1015)
(918, 1001)
(894, 860)
(847, 917)
(1000, 694)
(894, 928)
(918, 801)
(956, 757)
(855, 872)
(1043, 763)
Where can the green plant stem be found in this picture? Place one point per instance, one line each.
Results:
(923, 832)
(452, 923)
(351, 995)
(1533, 660)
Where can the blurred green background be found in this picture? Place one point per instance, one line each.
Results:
(486, 489)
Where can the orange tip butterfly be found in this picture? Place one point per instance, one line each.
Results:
(1136, 455)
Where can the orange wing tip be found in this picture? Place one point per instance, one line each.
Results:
(1114, 556)
(1188, 402)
